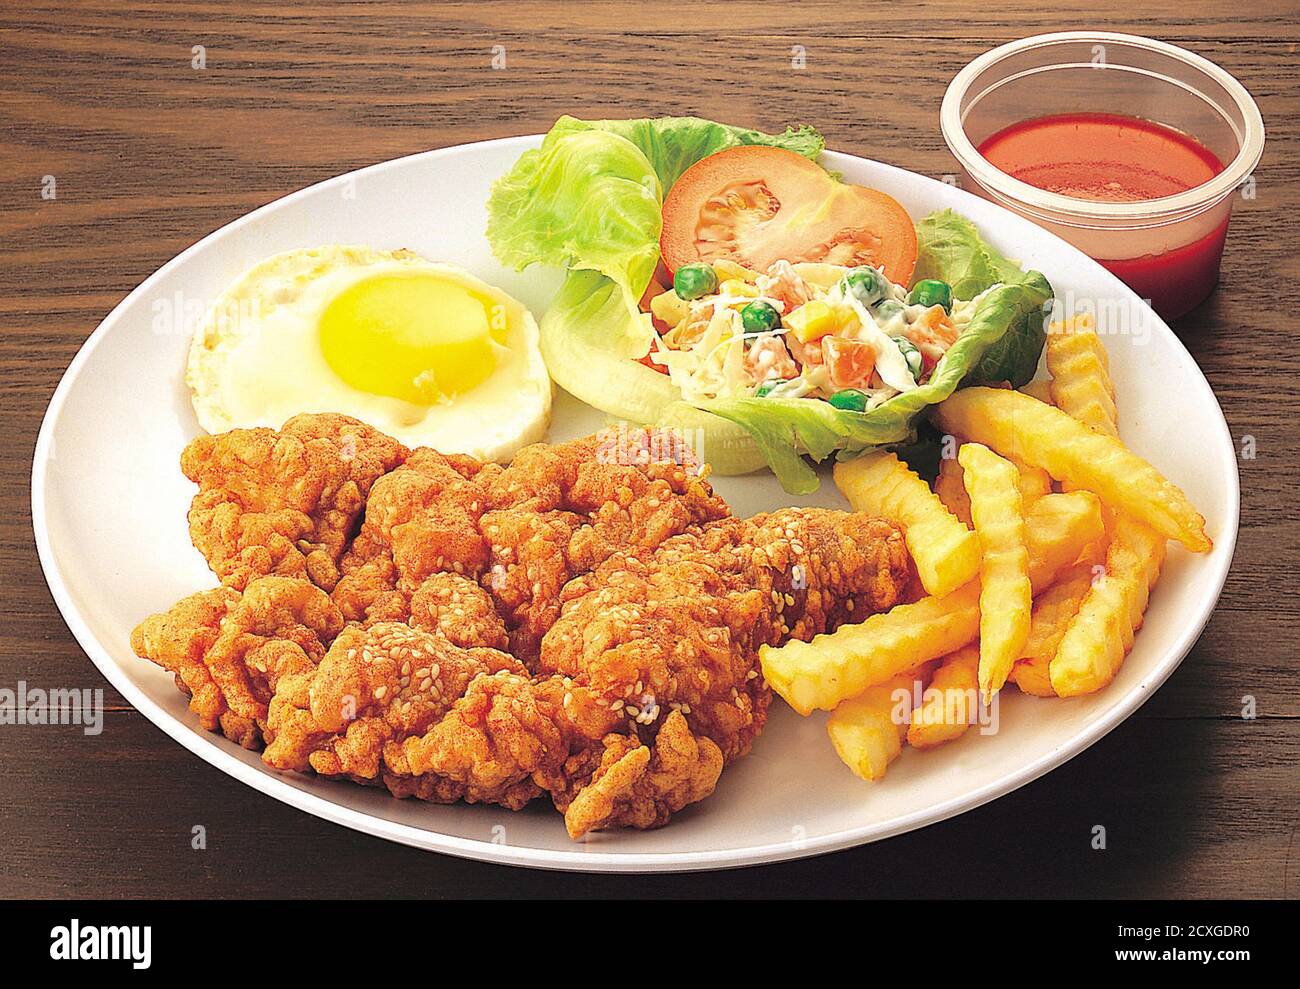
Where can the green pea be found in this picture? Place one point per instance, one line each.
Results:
(866, 284)
(913, 356)
(694, 281)
(931, 292)
(887, 310)
(760, 317)
(850, 399)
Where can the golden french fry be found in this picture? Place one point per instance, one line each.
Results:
(1101, 634)
(1054, 609)
(950, 703)
(944, 550)
(1058, 528)
(951, 490)
(1034, 482)
(868, 731)
(1023, 427)
(1041, 389)
(1081, 385)
(1006, 596)
(833, 667)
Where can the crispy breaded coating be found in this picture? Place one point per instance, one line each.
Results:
(677, 631)
(530, 566)
(640, 788)
(613, 491)
(178, 640)
(421, 519)
(657, 647)
(378, 686)
(460, 610)
(679, 627)
(583, 624)
(230, 650)
(510, 727)
(522, 531)
(286, 502)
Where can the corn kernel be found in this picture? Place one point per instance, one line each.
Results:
(730, 269)
(812, 320)
(734, 286)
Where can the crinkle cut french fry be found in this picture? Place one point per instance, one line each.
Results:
(1095, 552)
(1097, 640)
(1053, 523)
(1023, 427)
(950, 703)
(944, 550)
(833, 667)
(951, 490)
(1082, 388)
(1081, 385)
(1057, 528)
(868, 730)
(1054, 609)
(1041, 389)
(1006, 596)
(1034, 482)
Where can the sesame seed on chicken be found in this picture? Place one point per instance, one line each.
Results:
(583, 624)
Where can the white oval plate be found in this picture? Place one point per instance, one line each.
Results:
(109, 504)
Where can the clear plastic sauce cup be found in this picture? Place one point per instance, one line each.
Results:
(1166, 249)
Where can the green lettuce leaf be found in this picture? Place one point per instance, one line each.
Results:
(590, 196)
(581, 334)
(582, 200)
(949, 247)
(674, 144)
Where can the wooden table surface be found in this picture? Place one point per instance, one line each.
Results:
(150, 153)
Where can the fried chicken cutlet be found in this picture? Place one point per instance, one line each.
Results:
(523, 531)
(285, 502)
(476, 552)
(653, 679)
(582, 624)
(228, 650)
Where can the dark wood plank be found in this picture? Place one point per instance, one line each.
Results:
(151, 154)
(1213, 816)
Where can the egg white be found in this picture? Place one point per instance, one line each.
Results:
(256, 359)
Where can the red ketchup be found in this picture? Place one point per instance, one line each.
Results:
(1107, 157)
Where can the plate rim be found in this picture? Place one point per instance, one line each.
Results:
(579, 859)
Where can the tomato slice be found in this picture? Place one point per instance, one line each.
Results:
(755, 205)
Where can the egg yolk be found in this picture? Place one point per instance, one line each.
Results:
(409, 335)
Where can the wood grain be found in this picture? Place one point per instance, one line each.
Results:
(150, 154)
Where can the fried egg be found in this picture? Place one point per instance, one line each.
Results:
(425, 352)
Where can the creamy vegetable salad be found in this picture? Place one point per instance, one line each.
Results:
(848, 336)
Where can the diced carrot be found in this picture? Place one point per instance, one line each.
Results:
(850, 361)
